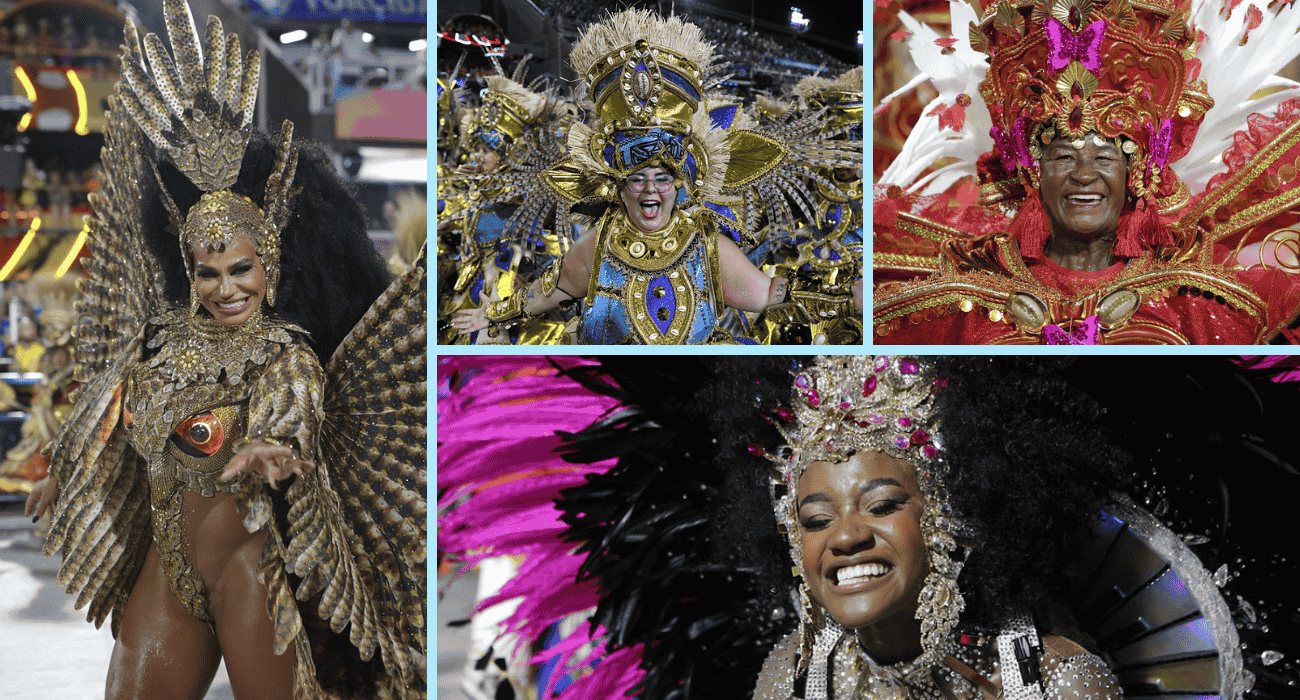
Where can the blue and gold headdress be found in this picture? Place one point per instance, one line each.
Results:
(645, 76)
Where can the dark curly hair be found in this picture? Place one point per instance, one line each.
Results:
(1032, 465)
(330, 272)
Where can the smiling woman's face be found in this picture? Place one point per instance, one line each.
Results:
(230, 283)
(651, 208)
(1084, 188)
(864, 558)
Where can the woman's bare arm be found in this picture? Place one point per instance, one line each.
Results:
(744, 286)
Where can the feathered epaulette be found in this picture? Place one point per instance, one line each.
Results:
(656, 529)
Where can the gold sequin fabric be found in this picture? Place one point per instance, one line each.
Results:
(351, 533)
(199, 365)
(1080, 676)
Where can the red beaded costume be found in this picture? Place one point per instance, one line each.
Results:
(1208, 257)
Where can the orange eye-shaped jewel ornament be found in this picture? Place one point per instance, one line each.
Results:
(202, 432)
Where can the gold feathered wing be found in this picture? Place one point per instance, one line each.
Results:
(101, 521)
(357, 526)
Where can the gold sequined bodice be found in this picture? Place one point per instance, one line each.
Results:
(185, 407)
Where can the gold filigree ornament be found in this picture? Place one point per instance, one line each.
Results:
(652, 250)
(1072, 13)
(841, 405)
(662, 306)
(645, 76)
(199, 350)
(196, 105)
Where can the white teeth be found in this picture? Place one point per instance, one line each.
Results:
(861, 572)
(1085, 198)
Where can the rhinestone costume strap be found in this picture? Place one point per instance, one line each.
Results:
(1018, 649)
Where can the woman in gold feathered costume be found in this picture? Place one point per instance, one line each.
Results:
(242, 477)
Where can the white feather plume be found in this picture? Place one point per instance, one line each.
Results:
(1233, 73)
(951, 74)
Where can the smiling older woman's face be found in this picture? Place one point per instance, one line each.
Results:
(864, 559)
(649, 195)
(1084, 188)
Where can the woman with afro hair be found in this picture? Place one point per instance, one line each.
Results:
(958, 528)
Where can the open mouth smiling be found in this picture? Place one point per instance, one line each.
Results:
(650, 208)
(233, 306)
(859, 573)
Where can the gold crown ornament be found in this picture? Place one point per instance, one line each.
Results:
(844, 404)
(1122, 70)
(196, 106)
(644, 75)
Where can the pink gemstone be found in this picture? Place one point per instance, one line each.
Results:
(900, 441)
(941, 383)
(869, 386)
(846, 405)
(920, 437)
(908, 366)
(814, 399)
(802, 381)
(875, 418)
(881, 363)
(785, 414)
(930, 451)
(756, 449)
(904, 422)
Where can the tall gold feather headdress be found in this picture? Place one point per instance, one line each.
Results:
(646, 76)
(196, 105)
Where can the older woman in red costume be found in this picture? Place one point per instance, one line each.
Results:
(1080, 230)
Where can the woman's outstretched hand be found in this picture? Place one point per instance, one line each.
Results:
(41, 500)
(469, 320)
(273, 463)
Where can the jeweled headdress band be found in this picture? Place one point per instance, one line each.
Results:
(842, 405)
(196, 105)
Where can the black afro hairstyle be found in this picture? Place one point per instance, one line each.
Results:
(1032, 465)
(330, 272)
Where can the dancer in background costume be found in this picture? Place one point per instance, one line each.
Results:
(495, 258)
